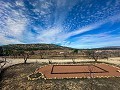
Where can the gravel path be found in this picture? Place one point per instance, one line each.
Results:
(17, 61)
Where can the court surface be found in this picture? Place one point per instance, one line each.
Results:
(79, 71)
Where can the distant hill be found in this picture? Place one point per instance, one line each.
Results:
(34, 47)
(30, 47)
(109, 48)
(112, 47)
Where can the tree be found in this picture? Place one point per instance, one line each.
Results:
(65, 55)
(15, 53)
(104, 55)
(1, 51)
(94, 54)
(90, 75)
(25, 56)
(3, 59)
(41, 54)
(75, 51)
(74, 54)
(2, 63)
(7, 52)
(49, 61)
(32, 53)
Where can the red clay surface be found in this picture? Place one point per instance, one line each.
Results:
(79, 71)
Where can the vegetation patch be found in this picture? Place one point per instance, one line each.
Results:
(35, 76)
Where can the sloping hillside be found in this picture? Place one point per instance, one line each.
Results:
(35, 47)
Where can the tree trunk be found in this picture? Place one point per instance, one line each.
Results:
(25, 61)
(95, 60)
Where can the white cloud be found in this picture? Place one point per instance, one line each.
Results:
(16, 27)
(12, 23)
(20, 3)
(4, 40)
(82, 30)
(92, 26)
(49, 36)
(96, 40)
(58, 35)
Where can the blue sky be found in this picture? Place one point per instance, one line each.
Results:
(73, 23)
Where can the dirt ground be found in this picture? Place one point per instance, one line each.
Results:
(115, 60)
(15, 78)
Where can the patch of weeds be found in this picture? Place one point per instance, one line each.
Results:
(35, 76)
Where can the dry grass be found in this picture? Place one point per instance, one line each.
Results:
(15, 78)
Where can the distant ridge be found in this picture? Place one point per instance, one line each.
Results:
(35, 47)
(43, 46)
(109, 48)
(112, 47)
